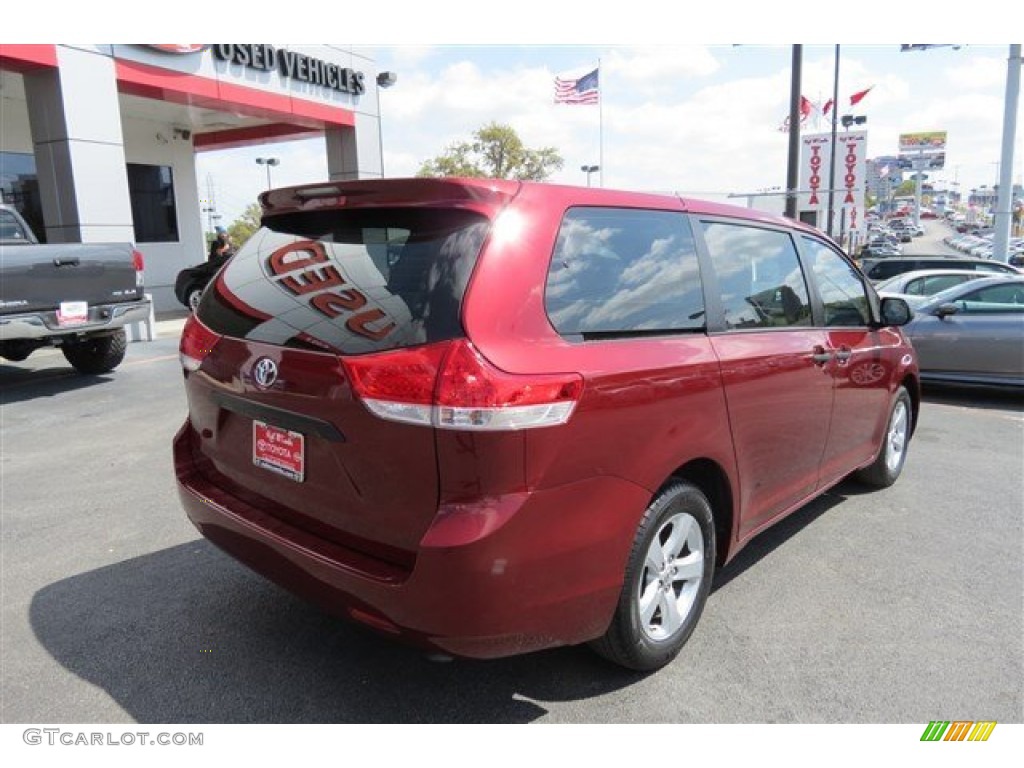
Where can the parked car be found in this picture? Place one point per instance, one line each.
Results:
(878, 269)
(493, 417)
(924, 283)
(192, 281)
(972, 333)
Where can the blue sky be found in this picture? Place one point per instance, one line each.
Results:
(700, 120)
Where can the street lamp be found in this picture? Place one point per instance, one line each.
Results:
(589, 169)
(849, 120)
(268, 161)
(384, 80)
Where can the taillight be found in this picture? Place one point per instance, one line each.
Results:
(197, 341)
(452, 386)
(140, 265)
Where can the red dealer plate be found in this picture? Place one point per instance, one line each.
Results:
(279, 450)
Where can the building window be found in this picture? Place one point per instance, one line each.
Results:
(151, 188)
(19, 188)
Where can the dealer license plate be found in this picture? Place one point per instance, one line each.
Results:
(279, 450)
(73, 313)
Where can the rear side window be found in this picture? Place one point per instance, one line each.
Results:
(759, 275)
(624, 271)
(350, 281)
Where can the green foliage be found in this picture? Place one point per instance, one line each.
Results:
(497, 152)
(243, 227)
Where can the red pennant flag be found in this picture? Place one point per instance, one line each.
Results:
(859, 95)
(827, 107)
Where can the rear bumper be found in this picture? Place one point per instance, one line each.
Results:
(44, 325)
(492, 577)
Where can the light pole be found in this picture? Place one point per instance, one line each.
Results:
(589, 169)
(384, 80)
(268, 161)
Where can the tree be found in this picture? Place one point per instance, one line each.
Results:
(244, 226)
(497, 152)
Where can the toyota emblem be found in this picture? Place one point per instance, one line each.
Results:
(264, 372)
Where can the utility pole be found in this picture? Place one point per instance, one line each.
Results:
(1004, 202)
(210, 209)
(793, 164)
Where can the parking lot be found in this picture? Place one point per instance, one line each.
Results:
(899, 606)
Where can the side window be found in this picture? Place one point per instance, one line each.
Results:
(840, 286)
(915, 287)
(933, 285)
(759, 276)
(620, 270)
(9, 227)
(994, 298)
(992, 268)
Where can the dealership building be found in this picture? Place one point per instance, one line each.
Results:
(98, 143)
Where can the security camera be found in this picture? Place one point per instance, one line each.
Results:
(183, 133)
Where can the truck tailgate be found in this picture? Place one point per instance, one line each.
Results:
(40, 277)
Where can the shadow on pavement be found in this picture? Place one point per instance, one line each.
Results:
(185, 635)
(989, 398)
(21, 384)
(781, 532)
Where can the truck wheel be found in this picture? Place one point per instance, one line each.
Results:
(99, 354)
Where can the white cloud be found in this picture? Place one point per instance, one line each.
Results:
(688, 118)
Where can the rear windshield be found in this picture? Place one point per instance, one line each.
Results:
(349, 282)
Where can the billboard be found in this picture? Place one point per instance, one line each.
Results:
(927, 141)
(850, 180)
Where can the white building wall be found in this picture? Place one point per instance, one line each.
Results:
(154, 143)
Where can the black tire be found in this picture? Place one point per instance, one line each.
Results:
(646, 643)
(192, 297)
(892, 455)
(99, 354)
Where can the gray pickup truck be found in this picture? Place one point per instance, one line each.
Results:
(78, 297)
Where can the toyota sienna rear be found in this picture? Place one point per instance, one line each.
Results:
(491, 417)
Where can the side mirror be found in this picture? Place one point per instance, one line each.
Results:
(945, 310)
(895, 311)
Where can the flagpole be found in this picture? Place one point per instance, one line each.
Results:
(832, 159)
(600, 123)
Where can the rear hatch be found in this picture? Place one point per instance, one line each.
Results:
(41, 277)
(278, 422)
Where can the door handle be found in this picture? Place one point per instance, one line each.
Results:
(820, 356)
(73, 261)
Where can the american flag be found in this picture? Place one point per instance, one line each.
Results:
(583, 90)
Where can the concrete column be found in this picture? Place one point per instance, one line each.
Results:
(75, 119)
(342, 154)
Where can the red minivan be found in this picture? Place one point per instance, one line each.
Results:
(492, 417)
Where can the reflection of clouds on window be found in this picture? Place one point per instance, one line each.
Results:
(581, 251)
(759, 276)
(621, 270)
(840, 287)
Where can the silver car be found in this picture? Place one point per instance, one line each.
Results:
(925, 283)
(972, 333)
